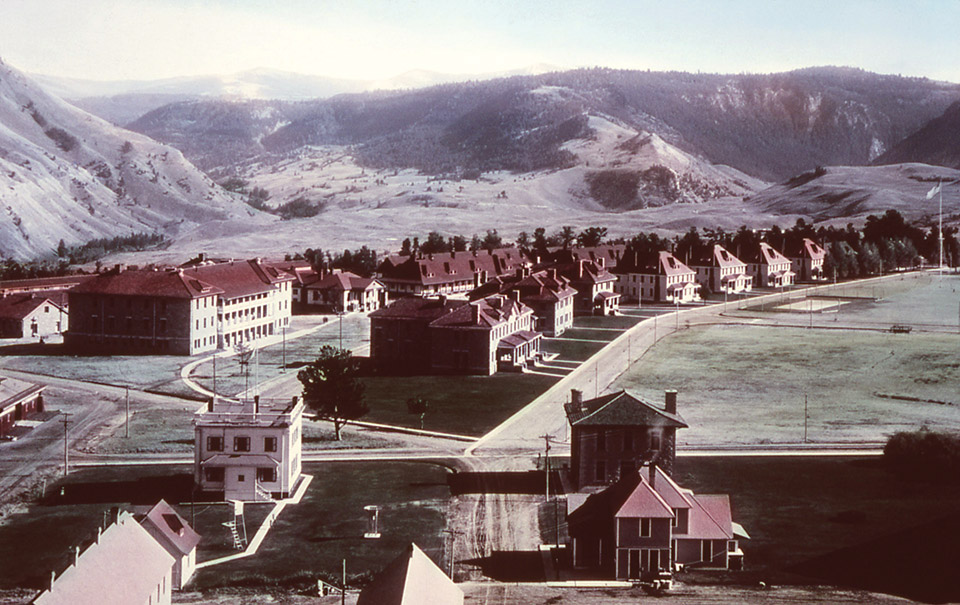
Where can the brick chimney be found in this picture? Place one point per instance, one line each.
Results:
(576, 398)
(670, 398)
(653, 474)
(515, 295)
(580, 268)
(475, 313)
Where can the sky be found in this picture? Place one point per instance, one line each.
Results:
(373, 39)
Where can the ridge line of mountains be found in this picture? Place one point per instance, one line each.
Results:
(593, 140)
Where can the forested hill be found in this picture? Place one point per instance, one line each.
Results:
(770, 126)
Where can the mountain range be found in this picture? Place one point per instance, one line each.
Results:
(67, 175)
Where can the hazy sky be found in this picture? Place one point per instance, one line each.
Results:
(370, 39)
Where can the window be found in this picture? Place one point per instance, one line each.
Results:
(601, 470)
(645, 527)
(676, 518)
(265, 475)
(731, 546)
(654, 441)
(213, 474)
(706, 550)
(241, 444)
(215, 444)
(241, 478)
(601, 441)
(269, 444)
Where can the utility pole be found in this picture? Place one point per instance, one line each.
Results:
(546, 460)
(343, 584)
(677, 301)
(283, 367)
(66, 459)
(126, 423)
(340, 324)
(804, 417)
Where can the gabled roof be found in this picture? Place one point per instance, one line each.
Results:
(415, 308)
(671, 493)
(645, 502)
(621, 409)
(343, 281)
(239, 278)
(44, 283)
(19, 306)
(124, 566)
(609, 253)
(178, 537)
(490, 312)
(586, 272)
(765, 254)
(807, 249)
(709, 519)
(718, 257)
(450, 267)
(539, 286)
(411, 579)
(661, 263)
(169, 283)
(13, 391)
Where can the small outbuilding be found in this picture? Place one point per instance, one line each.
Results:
(177, 537)
(411, 579)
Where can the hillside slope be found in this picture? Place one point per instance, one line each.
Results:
(938, 142)
(770, 126)
(65, 174)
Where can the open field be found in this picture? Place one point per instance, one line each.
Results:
(798, 509)
(310, 539)
(745, 384)
(467, 405)
(857, 383)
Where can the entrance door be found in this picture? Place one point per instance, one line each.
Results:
(634, 567)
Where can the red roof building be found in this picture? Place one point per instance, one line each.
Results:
(175, 535)
(184, 311)
(31, 315)
(411, 579)
(769, 268)
(548, 293)
(614, 434)
(806, 260)
(595, 287)
(124, 566)
(720, 271)
(344, 292)
(645, 525)
(19, 400)
(438, 335)
(659, 278)
(446, 273)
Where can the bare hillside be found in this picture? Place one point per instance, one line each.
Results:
(65, 174)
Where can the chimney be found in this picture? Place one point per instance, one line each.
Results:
(601, 262)
(442, 299)
(53, 578)
(475, 313)
(576, 398)
(580, 269)
(520, 272)
(99, 533)
(653, 474)
(210, 405)
(76, 555)
(515, 296)
(670, 397)
(476, 279)
(293, 401)
(552, 272)
(256, 405)
(114, 514)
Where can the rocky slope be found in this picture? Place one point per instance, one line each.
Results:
(938, 142)
(65, 174)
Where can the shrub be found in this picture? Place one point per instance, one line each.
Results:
(928, 454)
(62, 138)
(300, 207)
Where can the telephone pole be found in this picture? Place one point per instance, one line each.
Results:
(66, 458)
(126, 422)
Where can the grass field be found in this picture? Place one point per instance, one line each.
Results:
(467, 405)
(571, 350)
(799, 509)
(741, 384)
(310, 539)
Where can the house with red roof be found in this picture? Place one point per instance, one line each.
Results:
(594, 285)
(548, 293)
(614, 434)
(646, 525)
(31, 315)
(248, 450)
(411, 579)
(19, 400)
(806, 260)
(125, 565)
(720, 271)
(769, 268)
(175, 535)
(659, 277)
(343, 291)
(439, 335)
(446, 273)
(608, 254)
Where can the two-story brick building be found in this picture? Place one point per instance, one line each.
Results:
(613, 435)
(447, 272)
(248, 450)
(548, 293)
(343, 291)
(719, 271)
(19, 400)
(594, 284)
(439, 335)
